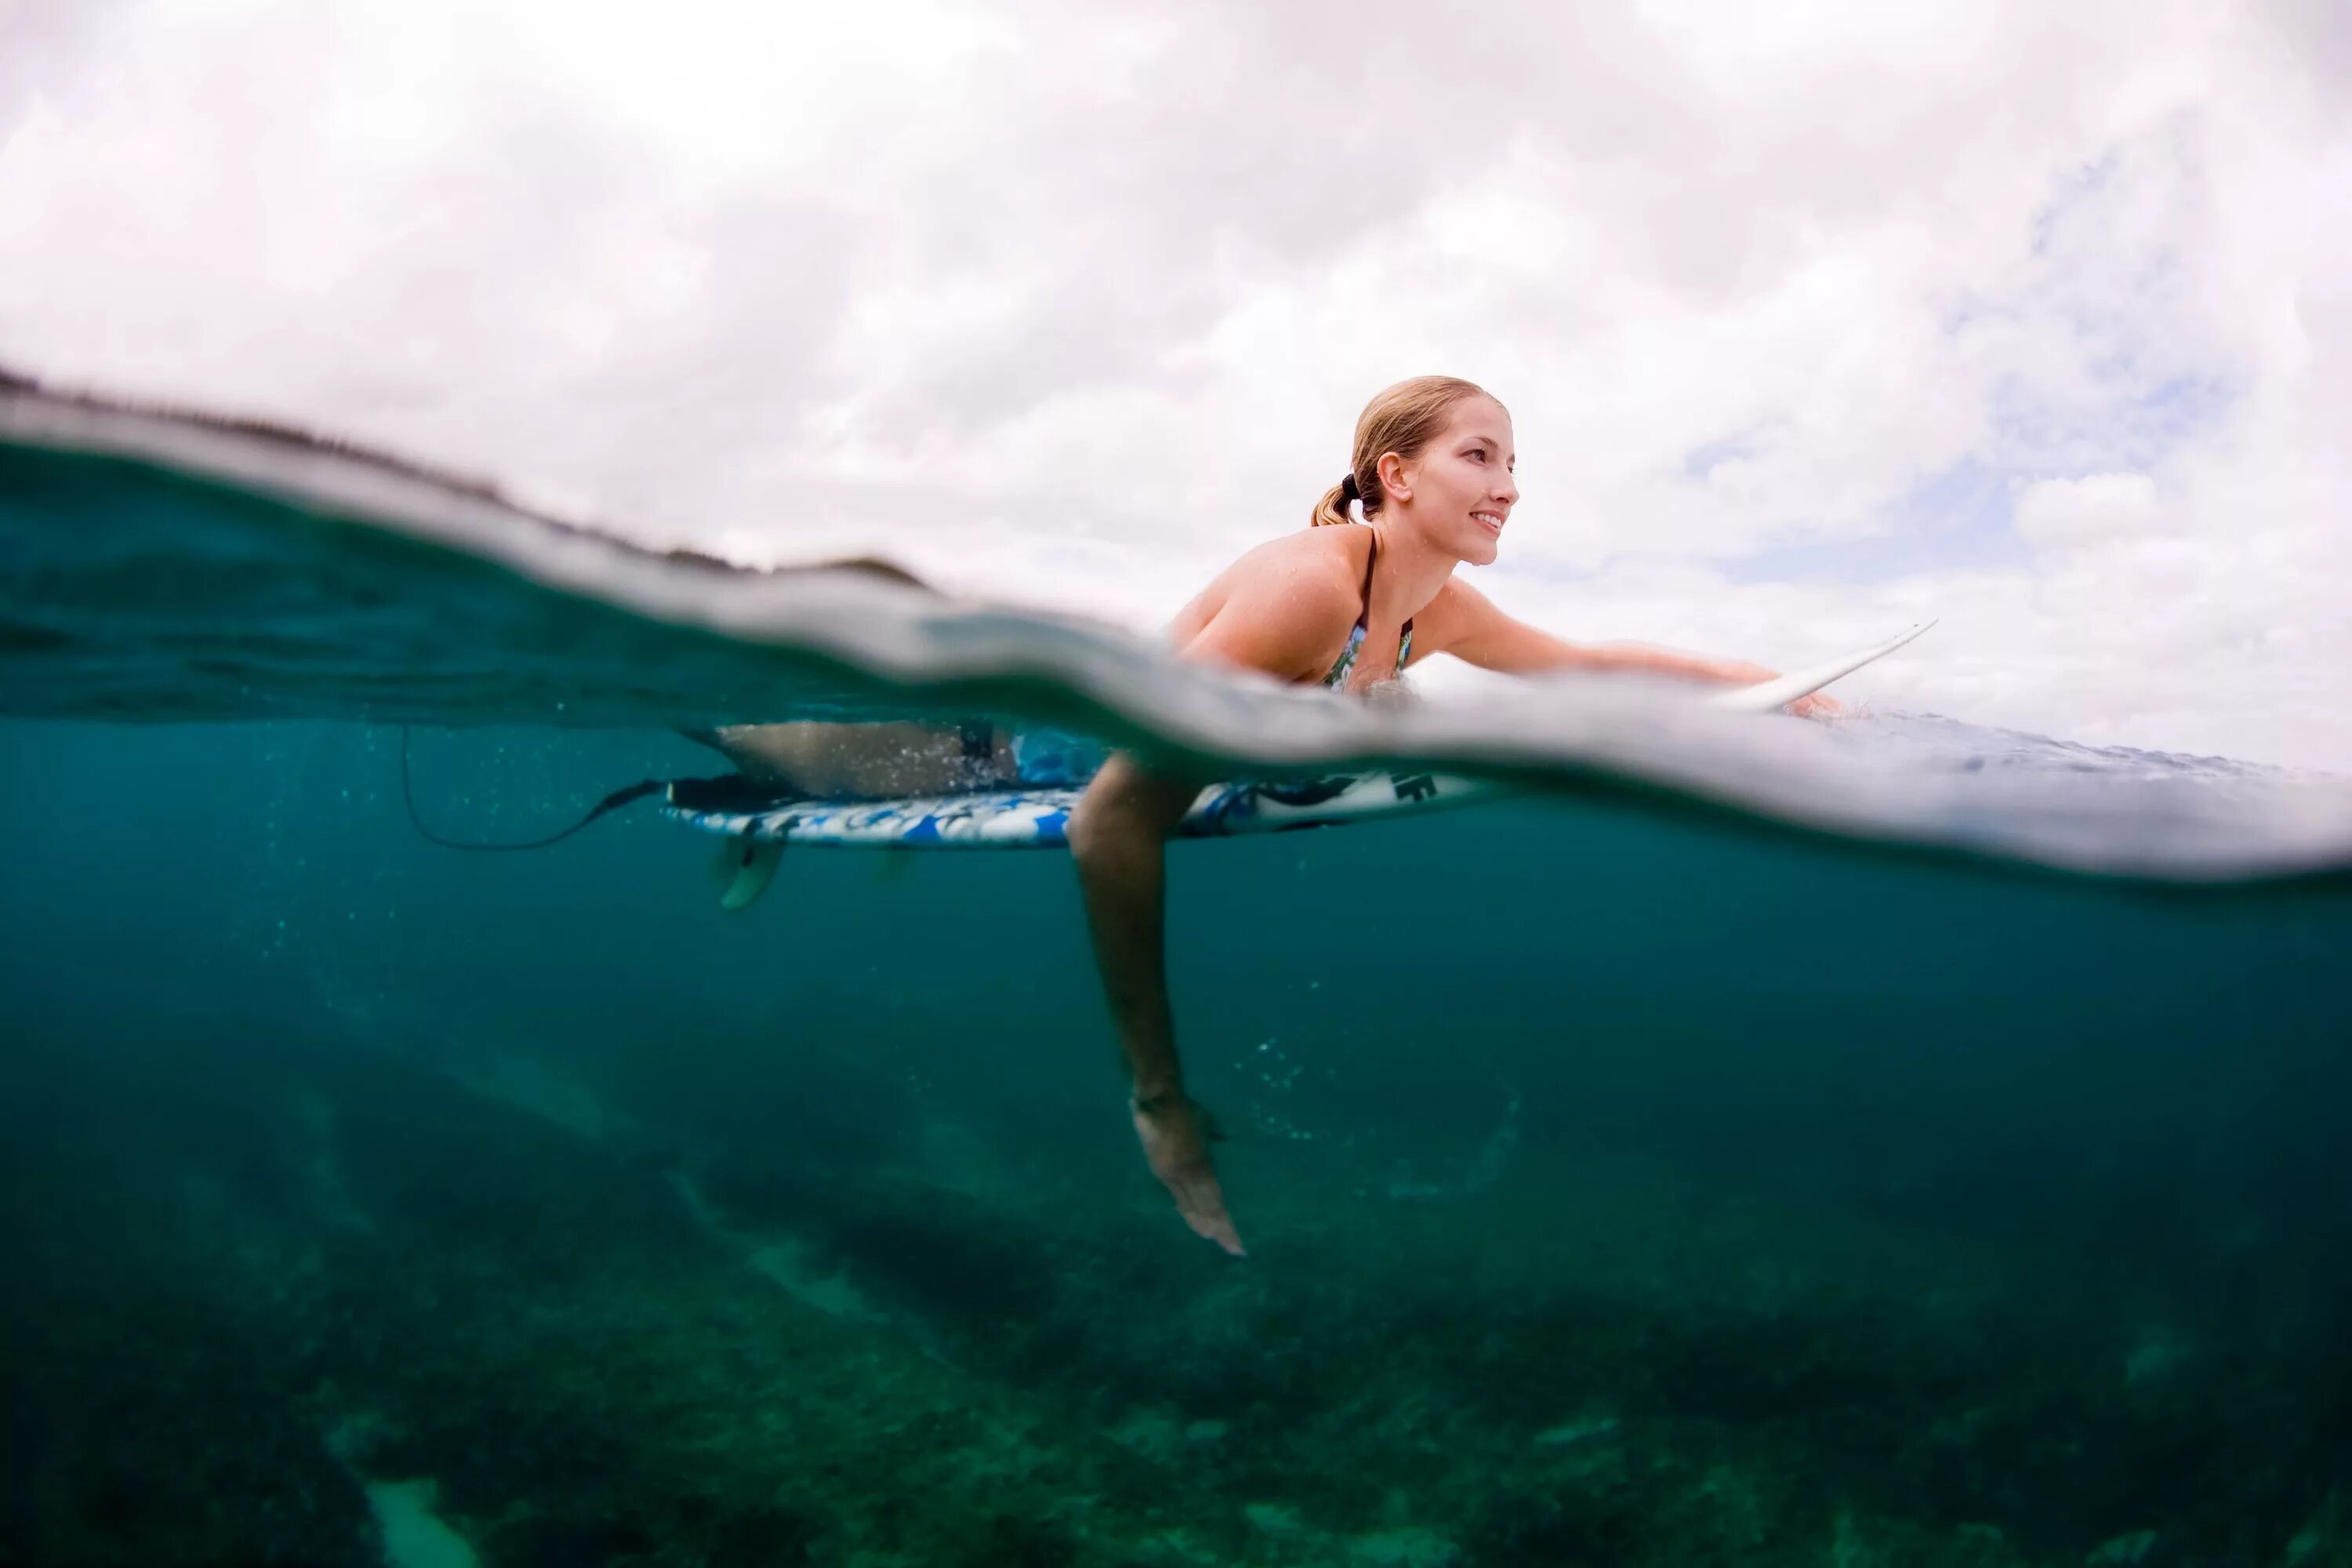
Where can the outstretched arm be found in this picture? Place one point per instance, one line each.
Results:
(1469, 626)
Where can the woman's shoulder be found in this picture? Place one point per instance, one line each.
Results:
(1310, 568)
(1328, 561)
(1298, 589)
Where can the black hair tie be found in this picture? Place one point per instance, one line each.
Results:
(1347, 490)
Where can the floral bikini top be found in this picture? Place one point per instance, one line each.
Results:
(1337, 679)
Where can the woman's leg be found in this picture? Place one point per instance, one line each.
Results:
(1118, 838)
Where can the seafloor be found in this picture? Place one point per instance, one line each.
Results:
(519, 1318)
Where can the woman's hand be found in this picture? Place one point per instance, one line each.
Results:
(1177, 1147)
(1817, 706)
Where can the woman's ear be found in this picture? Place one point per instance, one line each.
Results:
(1395, 482)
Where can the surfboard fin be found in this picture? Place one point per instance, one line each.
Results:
(749, 864)
(893, 869)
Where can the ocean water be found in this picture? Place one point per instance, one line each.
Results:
(1749, 1141)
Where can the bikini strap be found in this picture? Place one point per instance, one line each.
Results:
(1364, 615)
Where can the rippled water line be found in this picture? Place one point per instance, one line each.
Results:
(1574, 733)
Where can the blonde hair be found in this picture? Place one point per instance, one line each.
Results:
(1404, 419)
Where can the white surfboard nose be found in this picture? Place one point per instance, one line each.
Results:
(1774, 694)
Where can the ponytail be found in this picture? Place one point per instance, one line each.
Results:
(1336, 504)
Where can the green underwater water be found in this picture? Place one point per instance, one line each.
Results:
(1624, 1184)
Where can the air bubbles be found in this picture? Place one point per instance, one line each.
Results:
(1272, 1066)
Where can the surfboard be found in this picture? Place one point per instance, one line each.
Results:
(1039, 818)
(1771, 696)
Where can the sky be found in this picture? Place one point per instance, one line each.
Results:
(1813, 319)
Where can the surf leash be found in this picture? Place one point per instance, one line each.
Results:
(611, 802)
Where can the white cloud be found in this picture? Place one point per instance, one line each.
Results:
(2058, 514)
(1073, 306)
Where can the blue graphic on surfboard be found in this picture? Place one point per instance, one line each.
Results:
(1038, 819)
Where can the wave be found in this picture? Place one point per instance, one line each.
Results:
(169, 565)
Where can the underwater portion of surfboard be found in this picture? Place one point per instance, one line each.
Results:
(1040, 819)
(1030, 818)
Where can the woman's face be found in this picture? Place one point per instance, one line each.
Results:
(1463, 491)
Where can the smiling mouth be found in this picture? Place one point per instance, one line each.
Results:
(1491, 522)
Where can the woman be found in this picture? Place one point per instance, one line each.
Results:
(1347, 607)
